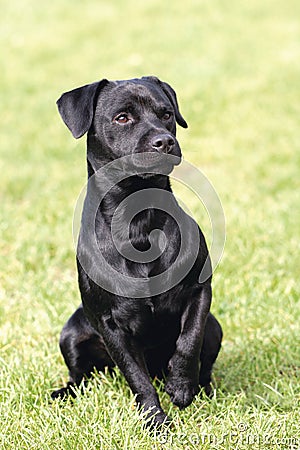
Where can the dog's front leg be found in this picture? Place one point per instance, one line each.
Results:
(183, 380)
(129, 357)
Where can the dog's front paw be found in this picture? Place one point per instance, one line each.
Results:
(181, 391)
(157, 420)
(154, 417)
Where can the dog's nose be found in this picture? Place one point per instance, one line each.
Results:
(163, 143)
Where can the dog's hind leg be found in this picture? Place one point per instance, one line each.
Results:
(83, 350)
(210, 349)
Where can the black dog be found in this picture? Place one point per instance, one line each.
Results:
(144, 322)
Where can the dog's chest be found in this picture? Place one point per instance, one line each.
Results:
(144, 247)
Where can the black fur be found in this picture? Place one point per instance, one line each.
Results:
(169, 334)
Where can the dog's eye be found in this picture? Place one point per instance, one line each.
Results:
(167, 115)
(122, 118)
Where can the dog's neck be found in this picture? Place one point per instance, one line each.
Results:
(132, 185)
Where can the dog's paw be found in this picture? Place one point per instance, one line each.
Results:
(155, 418)
(64, 393)
(207, 390)
(158, 421)
(61, 394)
(181, 391)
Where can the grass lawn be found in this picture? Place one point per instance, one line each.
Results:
(236, 68)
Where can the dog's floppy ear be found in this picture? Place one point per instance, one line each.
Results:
(171, 94)
(76, 107)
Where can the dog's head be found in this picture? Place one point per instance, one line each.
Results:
(129, 117)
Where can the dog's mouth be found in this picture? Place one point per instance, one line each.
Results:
(154, 161)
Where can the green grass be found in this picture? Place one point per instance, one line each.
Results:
(235, 66)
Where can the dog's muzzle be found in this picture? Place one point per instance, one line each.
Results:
(160, 154)
(154, 162)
